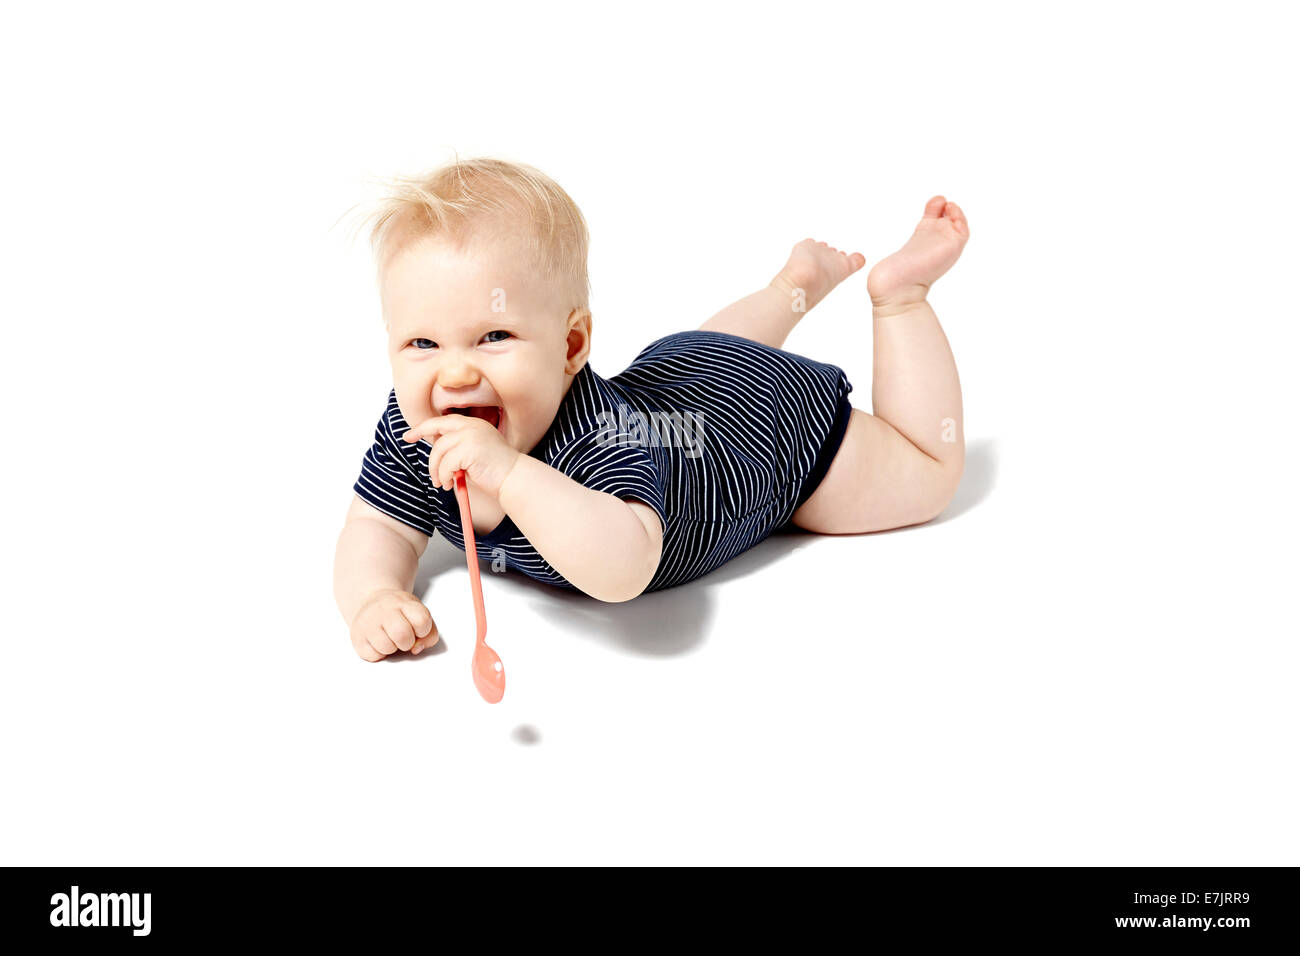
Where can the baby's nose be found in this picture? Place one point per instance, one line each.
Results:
(458, 373)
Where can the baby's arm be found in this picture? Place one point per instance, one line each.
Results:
(601, 544)
(374, 570)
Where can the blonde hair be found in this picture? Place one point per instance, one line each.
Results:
(478, 200)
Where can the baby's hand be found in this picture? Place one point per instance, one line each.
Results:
(461, 442)
(391, 620)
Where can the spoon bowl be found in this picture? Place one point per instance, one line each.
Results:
(489, 674)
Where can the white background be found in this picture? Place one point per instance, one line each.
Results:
(1089, 659)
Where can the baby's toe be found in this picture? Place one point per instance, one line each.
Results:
(953, 212)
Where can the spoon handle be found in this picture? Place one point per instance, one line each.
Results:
(471, 554)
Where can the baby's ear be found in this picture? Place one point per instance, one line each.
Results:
(578, 341)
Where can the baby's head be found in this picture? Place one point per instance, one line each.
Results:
(482, 268)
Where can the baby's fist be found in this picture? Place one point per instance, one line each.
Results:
(389, 621)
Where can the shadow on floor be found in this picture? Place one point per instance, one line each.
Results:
(977, 480)
(675, 621)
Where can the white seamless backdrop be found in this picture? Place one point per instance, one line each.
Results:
(1090, 658)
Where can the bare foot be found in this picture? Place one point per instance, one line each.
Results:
(904, 278)
(816, 268)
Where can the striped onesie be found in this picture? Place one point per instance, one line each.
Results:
(722, 436)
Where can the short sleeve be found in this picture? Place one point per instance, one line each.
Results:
(388, 479)
(615, 466)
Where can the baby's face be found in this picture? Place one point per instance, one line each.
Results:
(477, 328)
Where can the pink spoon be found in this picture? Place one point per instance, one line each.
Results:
(489, 674)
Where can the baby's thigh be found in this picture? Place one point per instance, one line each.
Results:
(877, 480)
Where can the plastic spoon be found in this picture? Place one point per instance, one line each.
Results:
(489, 674)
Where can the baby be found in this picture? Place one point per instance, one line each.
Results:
(710, 441)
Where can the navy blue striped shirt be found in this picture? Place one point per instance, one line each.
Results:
(722, 436)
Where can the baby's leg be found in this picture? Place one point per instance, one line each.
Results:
(769, 314)
(901, 465)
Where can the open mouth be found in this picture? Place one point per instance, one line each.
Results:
(489, 413)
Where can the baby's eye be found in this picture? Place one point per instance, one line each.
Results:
(498, 332)
(428, 344)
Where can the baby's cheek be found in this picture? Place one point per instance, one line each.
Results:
(414, 412)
